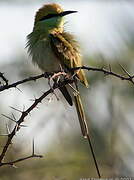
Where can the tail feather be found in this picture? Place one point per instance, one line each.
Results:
(66, 95)
(81, 115)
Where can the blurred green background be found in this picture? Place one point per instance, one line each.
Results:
(106, 35)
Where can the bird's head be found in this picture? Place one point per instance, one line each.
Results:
(50, 17)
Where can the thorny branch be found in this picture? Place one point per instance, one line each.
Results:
(24, 114)
(13, 85)
(128, 77)
(12, 163)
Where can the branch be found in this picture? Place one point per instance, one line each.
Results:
(33, 155)
(128, 77)
(11, 163)
(14, 85)
(24, 114)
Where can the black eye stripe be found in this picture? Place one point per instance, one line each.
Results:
(49, 16)
(61, 14)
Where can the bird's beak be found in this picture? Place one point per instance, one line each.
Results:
(64, 13)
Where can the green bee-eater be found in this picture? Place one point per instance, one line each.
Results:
(51, 48)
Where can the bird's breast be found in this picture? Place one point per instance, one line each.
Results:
(44, 57)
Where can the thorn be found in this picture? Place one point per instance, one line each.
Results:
(8, 130)
(14, 117)
(15, 109)
(8, 118)
(34, 97)
(23, 125)
(110, 69)
(50, 99)
(19, 126)
(14, 166)
(32, 100)
(3, 78)
(23, 108)
(14, 120)
(29, 114)
(129, 75)
(18, 89)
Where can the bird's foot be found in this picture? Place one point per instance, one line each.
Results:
(58, 75)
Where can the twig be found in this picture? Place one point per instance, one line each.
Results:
(14, 85)
(107, 72)
(24, 114)
(33, 155)
(129, 78)
(21, 159)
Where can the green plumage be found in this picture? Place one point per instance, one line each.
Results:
(67, 50)
(52, 48)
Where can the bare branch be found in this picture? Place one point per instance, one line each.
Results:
(33, 155)
(14, 85)
(11, 163)
(107, 72)
(25, 113)
(47, 74)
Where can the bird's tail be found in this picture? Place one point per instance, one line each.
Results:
(81, 115)
(66, 95)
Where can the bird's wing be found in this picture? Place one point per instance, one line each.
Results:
(67, 51)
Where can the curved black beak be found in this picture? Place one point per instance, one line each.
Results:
(64, 13)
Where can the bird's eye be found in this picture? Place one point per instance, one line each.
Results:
(49, 16)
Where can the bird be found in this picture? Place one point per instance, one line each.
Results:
(53, 49)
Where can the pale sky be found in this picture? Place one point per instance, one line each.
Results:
(96, 25)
